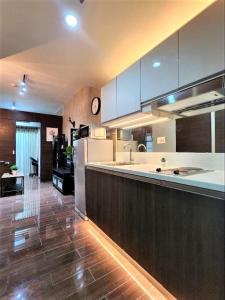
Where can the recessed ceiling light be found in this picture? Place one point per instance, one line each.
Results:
(71, 20)
(156, 64)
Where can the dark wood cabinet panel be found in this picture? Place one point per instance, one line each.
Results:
(193, 134)
(8, 120)
(177, 236)
(220, 131)
(190, 244)
(7, 142)
(105, 211)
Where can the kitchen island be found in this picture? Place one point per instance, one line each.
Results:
(173, 229)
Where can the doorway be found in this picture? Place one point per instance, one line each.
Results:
(28, 142)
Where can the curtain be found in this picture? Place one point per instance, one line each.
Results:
(27, 145)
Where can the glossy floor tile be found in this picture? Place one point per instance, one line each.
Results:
(46, 251)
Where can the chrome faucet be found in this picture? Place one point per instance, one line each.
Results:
(142, 145)
(125, 146)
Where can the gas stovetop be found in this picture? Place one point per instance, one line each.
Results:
(182, 171)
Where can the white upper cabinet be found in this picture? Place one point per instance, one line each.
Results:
(108, 101)
(201, 45)
(128, 90)
(195, 52)
(159, 69)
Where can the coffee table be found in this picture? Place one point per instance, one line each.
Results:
(12, 184)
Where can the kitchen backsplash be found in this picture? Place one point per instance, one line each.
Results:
(212, 161)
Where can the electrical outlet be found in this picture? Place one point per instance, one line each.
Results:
(161, 140)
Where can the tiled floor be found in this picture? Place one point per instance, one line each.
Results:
(46, 251)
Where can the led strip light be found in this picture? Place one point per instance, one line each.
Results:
(130, 121)
(146, 123)
(148, 288)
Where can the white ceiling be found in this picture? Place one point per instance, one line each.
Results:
(111, 35)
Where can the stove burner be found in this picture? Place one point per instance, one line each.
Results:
(182, 171)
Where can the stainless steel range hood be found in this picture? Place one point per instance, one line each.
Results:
(201, 98)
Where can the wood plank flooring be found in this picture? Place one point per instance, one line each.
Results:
(46, 251)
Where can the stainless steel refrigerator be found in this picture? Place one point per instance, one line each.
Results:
(87, 150)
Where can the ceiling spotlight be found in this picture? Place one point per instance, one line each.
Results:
(71, 20)
(23, 85)
(23, 82)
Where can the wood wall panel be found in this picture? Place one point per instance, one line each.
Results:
(8, 120)
(79, 109)
(7, 142)
(193, 134)
(220, 131)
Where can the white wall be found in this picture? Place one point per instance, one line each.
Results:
(165, 129)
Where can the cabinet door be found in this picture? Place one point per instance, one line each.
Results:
(108, 97)
(159, 69)
(201, 45)
(128, 90)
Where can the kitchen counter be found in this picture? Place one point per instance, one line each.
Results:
(172, 229)
(212, 180)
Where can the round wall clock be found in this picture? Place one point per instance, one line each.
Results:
(95, 105)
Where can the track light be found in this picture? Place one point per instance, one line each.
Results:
(23, 85)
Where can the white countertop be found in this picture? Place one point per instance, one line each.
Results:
(213, 180)
(9, 175)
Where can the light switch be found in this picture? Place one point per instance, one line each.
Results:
(161, 140)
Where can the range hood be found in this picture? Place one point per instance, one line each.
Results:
(201, 98)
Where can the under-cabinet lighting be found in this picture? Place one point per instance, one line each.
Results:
(146, 123)
(130, 121)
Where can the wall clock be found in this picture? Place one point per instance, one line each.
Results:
(95, 105)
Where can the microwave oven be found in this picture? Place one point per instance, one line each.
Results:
(93, 132)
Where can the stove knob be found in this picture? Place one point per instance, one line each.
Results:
(176, 172)
(158, 170)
